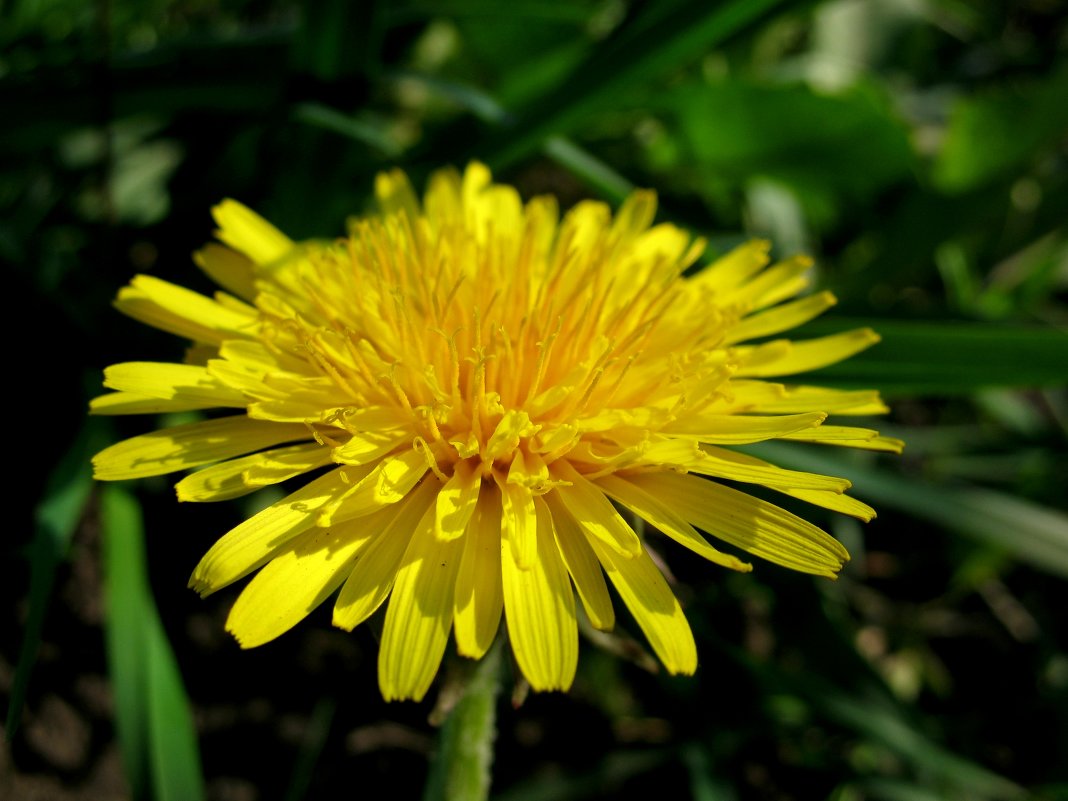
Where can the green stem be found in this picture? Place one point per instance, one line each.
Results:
(461, 770)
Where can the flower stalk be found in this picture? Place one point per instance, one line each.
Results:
(462, 768)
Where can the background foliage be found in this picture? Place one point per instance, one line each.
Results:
(917, 148)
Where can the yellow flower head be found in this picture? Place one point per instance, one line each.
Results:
(489, 397)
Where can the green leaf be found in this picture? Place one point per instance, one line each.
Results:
(1002, 131)
(153, 717)
(661, 37)
(56, 517)
(737, 130)
(931, 357)
(1025, 531)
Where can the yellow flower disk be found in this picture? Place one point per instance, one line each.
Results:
(488, 395)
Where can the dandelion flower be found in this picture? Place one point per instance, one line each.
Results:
(485, 397)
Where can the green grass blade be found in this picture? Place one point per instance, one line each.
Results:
(660, 37)
(175, 758)
(152, 712)
(606, 181)
(892, 730)
(583, 164)
(352, 127)
(1026, 531)
(125, 628)
(56, 518)
(932, 357)
(311, 748)
(857, 701)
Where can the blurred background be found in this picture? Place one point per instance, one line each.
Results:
(918, 149)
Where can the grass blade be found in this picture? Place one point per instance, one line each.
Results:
(56, 518)
(932, 357)
(660, 37)
(152, 712)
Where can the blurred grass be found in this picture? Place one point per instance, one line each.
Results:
(918, 151)
(56, 516)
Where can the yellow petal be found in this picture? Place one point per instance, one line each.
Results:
(265, 358)
(178, 382)
(735, 466)
(655, 608)
(248, 233)
(456, 502)
(301, 576)
(662, 516)
(829, 497)
(582, 565)
(369, 446)
(736, 267)
(800, 357)
(133, 403)
(419, 614)
(244, 379)
(238, 477)
(394, 194)
(191, 445)
(479, 601)
(253, 542)
(594, 512)
(754, 525)
(519, 523)
(530, 471)
(737, 429)
(850, 437)
(228, 268)
(389, 481)
(441, 201)
(372, 577)
(777, 283)
(834, 401)
(781, 318)
(539, 606)
(506, 436)
(181, 311)
(835, 502)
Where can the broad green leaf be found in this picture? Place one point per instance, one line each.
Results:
(845, 143)
(153, 717)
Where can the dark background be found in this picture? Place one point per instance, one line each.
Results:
(917, 149)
